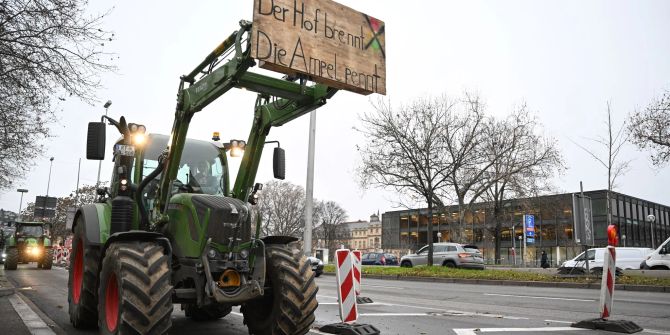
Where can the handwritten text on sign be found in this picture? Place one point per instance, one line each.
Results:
(331, 43)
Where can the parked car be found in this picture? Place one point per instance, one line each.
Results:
(317, 265)
(379, 258)
(658, 259)
(448, 254)
(626, 259)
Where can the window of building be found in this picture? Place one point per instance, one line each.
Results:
(599, 207)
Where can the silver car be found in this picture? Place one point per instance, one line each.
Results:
(453, 255)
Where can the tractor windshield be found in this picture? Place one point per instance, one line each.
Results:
(200, 169)
(31, 230)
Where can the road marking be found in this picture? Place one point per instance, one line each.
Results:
(559, 321)
(652, 331)
(32, 321)
(391, 287)
(536, 297)
(395, 314)
(468, 331)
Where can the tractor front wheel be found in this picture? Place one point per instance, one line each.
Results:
(135, 291)
(289, 302)
(208, 313)
(48, 260)
(82, 278)
(12, 259)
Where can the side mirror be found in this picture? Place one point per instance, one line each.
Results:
(279, 163)
(95, 141)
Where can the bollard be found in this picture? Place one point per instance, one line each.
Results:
(607, 294)
(346, 294)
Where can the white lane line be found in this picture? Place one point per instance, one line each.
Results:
(466, 331)
(395, 314)
(443, 311)
(536, 297)
(32, 321)
(391, 287)
(653, 331)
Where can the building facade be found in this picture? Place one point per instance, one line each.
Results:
(365, 236)
(554, 225)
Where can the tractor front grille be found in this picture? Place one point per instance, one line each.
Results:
(225, 214)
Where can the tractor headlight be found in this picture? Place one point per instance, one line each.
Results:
(34, 251)
(4, 255)
(211, 253)
(244, 253)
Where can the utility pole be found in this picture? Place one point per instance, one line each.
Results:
(309, 189)
(586, 248)
(107, 104)
(76, 197)
(49, 181)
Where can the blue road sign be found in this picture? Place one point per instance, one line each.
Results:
(530, 233)
(530, 240)
(529, 220)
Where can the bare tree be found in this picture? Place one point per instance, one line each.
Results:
(331, 231)
(282, 209)
(615, 167)
(404, 151)
(650, 129)
(523, 162)
(464, 137)
(48, 49)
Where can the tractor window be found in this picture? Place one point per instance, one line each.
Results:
(31, 230)
(200, 169)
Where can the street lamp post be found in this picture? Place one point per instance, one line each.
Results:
(651, 218)
(51, 163)
(21, 190)
(97, 181)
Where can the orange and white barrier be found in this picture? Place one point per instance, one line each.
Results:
(61, 255)
(607, 284)
(346, 292)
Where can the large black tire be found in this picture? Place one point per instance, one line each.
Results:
(406, 264)
(209, 313)
(48, 260)
(288, 306)
(135, 291)
(12, 259)
(83, 273)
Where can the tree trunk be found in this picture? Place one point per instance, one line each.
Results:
(497, 232)
(430, 233)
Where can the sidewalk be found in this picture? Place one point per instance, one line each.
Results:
(16, 314)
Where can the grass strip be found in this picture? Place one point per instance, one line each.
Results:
(489, 274)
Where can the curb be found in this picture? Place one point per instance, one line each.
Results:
(624, 287)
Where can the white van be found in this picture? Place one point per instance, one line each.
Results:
(626, 259)
(659, 259)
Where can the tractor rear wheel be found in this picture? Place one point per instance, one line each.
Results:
(209, 313)
(12, 259)
(135, 291)
(82, 295)
(289, 302)
(48, 260)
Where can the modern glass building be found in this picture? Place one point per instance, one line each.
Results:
(408, 229)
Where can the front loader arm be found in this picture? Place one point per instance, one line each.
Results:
(292, 100)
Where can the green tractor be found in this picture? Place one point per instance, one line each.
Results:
(172, 228)
(29, 243)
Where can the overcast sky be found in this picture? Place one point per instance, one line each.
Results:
(565, 59)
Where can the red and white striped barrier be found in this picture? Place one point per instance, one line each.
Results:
(607, 284)
(346, 293)
(356, 257)
(61, 255)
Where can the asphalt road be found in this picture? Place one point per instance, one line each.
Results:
(402, 307)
